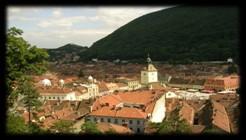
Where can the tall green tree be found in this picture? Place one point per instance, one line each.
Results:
(30, 97)
(21, 59)
(16, 124)
(90, 128)
(174, 124)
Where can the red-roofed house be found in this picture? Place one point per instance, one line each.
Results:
(131, 109)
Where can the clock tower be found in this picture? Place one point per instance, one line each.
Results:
(149, 74)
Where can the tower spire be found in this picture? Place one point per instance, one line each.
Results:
(148, 59)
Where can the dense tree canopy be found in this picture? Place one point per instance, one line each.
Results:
(63, 126)
(16, 124)
(172, 124)
(181, 33)
(90, 128)
(22, 59)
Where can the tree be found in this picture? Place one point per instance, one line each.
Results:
(90, 128)
(174, 124)
(81, 73)
(63, 126)
(35, 129)
(16, 124)
(232, 69)
(30, 99)
(21, 59)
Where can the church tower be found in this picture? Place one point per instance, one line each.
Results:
(149, 74)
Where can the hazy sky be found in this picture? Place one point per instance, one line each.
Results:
(52, 27)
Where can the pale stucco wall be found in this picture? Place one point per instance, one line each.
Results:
(135, 125)
(159, 111)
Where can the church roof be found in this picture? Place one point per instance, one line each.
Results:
(151, 67)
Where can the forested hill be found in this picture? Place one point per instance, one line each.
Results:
(67, 53)
(178, 33)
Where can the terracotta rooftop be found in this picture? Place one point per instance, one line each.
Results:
(196, 104)
(225, 99)
(150, 107)
(104, 127)
(158, 86)
(54, 90)
(139, 97)
(123, 112)
(187, 112)
(105, 104)
(109, 99)
(220, 117)
(197, 128)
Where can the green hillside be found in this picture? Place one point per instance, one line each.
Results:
(67, 52)
(178, 33)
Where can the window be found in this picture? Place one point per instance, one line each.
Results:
(95, 119)
(109, 120)
(102, 120)
(54, 97)
(130, 121)
(116, 121)
(138, 122)
(49, 97)
(138, 130)
(123, 121)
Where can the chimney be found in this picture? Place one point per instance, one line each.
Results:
(118, 108)
(113, 107)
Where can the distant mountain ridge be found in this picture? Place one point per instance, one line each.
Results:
(67, 53)
(175, 34)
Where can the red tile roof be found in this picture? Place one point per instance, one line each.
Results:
(197, 128)
(187, 112)
(104, 127)
(123, 112)
(220, 117)
(54, 90)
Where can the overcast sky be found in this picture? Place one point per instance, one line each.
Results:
(52, 27)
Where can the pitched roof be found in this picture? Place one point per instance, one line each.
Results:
(197, 128)
(139, 97)
(104, 127)
(187, 112)
(123, 112)
(220, 117)
(175, 80)
(54, 90)
(102, 87)
(157, 85)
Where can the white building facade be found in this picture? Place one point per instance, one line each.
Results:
(149, 74)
